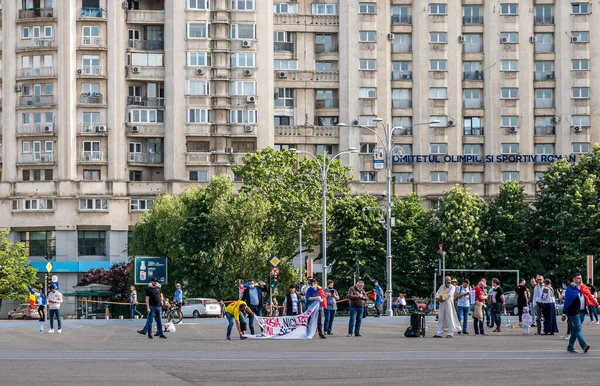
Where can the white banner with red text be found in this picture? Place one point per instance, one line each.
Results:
(301, 326)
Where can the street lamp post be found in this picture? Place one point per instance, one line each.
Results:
(324, 166)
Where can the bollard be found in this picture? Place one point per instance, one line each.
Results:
(106, 314)
(41, 328)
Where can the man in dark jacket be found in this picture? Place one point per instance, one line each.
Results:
(292, 305)
(253, 298)
(575, 309)
(358, 300)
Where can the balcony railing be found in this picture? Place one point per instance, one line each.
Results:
(92, 156)
(404, 131)
(35, 13)
(472, 20)
(36, 43)
(91, 70)
(283, 46)
(146, 101)
(32, 158)
(38, 100)
(91, 41)
(541, 48)
(472, 75)
(36, 71)
(91, 127)
(295, 19)
(544, 130)
(93, 98)
(401, 103)
(146, 158)
(401, 75)
(145, 16)
(147, 45)
(544, 103)
(36, 128)
(401, 19)
(307, 131)
(543, 75)
(146, 72)
(543, 20)
(473, 103)
(327, 103)
(469, 48)
(473, 131)
(401, 47)
(91, 12)
(326, 47)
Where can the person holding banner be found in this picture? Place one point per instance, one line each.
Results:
(253, 298)
(234, 312)
(314, 293)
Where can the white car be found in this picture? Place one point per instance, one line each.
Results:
(198, 307)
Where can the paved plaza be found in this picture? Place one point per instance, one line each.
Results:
(111, 352)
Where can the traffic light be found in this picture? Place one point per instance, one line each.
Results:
(272, 281)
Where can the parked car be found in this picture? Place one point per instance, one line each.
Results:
(23, 311)
(512, 306)
(198, 307)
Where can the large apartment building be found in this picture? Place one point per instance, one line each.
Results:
(105, 103)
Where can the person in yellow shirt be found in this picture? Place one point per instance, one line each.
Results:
(234, 312)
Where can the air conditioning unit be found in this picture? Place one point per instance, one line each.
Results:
(228, 150)
(17, 88)
(557, 119)
(246, 43)
(250, 99)
(550, 76)
(574, 39)
(355, 122)
(532, 39)
(577, 129)
(248, 128)
(513, 129)
(135, 70)
(135, 129)
(79, 71)
(451, 123)
(48, 128)
(248, 72)
(390, 36)
(503, 40)
(124, 5)
(282, 74)
(199, 71)
(461, 39)
(101, 129)
(137, 99)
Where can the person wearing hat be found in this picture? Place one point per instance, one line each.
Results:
(378, 297)
(178, 299)
(154, 300)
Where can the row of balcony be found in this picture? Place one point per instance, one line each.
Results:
(407, 20)
(35, 43)
(133, 16)
(89, 156)
(469, 48)
(316, 20)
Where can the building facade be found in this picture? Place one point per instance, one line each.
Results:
(105, 103)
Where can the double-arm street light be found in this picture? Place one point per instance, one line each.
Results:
(324, 164)
(389, 147)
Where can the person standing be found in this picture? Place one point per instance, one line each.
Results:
(538, 305)
(41, 302)
(447, 314)
(235, 313)
(154, 300)
(253, 297)
(178, 299)
(378, 298)
(549, 308)
(526, 321)
(561, 296)
(463, 294)
(358, 300)
(522, 298)
(479, 297)
(316, 294)
(331, 308)
(575, 308)
(593, 311)
(55, 299)
(292, 304)
(532, 284)
(133, 302)
(497, 299)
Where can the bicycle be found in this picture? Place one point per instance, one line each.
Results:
(171, 314)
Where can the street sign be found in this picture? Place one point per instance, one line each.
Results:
(274, 271)
(378, 161)
(147, 267)
(48, 267)
(274, 261)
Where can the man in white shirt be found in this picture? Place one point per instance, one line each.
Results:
(54, 301)
(463, 294)
(537, 302)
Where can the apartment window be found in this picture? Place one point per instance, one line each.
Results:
(197, 4)
(438, 176)
(241, 88)
(438, 37)
(510, 148)
(544, 149)
(147, 60)
(580, 64)
(368, 176)
(438, 65)
(199, 116)
(402, 178)
(146, 116)
(285, 8)
(510, 65)
(367, 8)
(472, 126)
(242, 5)
(367, 92)
(367, 120)
(36, 174)
(544, 14)
(581, 92)
(544, 98)
(581, 147)
(405, 122)
(368, 64)
(198, 146)
(325, 66)
(580, 36)
(509, 121)
(141, 205)
(93, 204)
(438, 148)
(437, 9)
(243, 147)
(90, 88)
(198, 59)
(291, 65)
(91, 243)
(198, 30)
(510, 37)
(367, 148)
(438, 93)
(509, 9)
(285, 97)
(92, 175)
(510, 93)
(580, 9)
(473, 178)
(40, 243)
(135, 175)
(25, 33)
(32, 204)
(90, 32)
(197, 87)
(324, 9)
(283, 120)
(367, 36)
(442, 118)
(472, 149)
(242, 116)
(327, 121)
(280, 147)
(243, 31)
(243, 60)
(48, 146)
(581, 120)
(510, 176)
(539, 176)
(405, 149)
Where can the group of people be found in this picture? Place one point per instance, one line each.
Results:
(155, 301)
(53, 301)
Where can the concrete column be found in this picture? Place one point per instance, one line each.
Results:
(10, 150)
(264, 74)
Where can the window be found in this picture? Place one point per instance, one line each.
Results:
(368, 64)
(197, 4)
(146, 116)
(26, 147)
(367, 36)
(544, 149)
(580, 64)
(367, 120)
(510, 176)
(242, 116)
(199, 116)
(438, 148)
(539, 176)
(581, 92)
(90, 88)
(286, 65)
(147, 60)
(368, 176)
(198, 30)
(367, 148)
(241, 88)
(198, 146)
(48, 146)
(438, 93)
(92, 175)
(48, 31)
(33, 204)
(279, 120)
(135, 175)
(405, 149)
(243, 60)
(510, 65)
(438, 176)
(581, 120)
(472, 126)
(198, 175)
(438, 37)
(93, 204)
(90, 32)
(367, 8)
(580, 36)
(367, 92)
(509, 121)
(402, 178)
(509, 9)
(242, 5)
(438, 65)
(473, 178)
(581, 147)
(141, 205)
(40, 243)
(324, 9)
(91, 243)
(243, 31)
(243, 147)
(197, 87)
(437, 9)
(280, 147)
(472, 149)
(198, 59)
(510, 148)
(510, 93)
(25, 33)
(285, 97)
(326, 66)
(442, 118)
(285, 8)
(510, 37)
(405, 122)
(580, 9)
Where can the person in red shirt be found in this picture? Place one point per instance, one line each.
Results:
(478, 309)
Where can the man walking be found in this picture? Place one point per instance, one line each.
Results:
(253, 297)
(55, 299)
(358, 300)
(133, 302)
(522, 298)
(575, 308)
(378, 298)
(154, 300)
(463, 294)
(447, 314)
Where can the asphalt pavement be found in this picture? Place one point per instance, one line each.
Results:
(111, 352)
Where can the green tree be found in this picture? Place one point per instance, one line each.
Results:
(16, 272)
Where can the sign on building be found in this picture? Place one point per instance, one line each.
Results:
(147, 267)
(378, 160)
